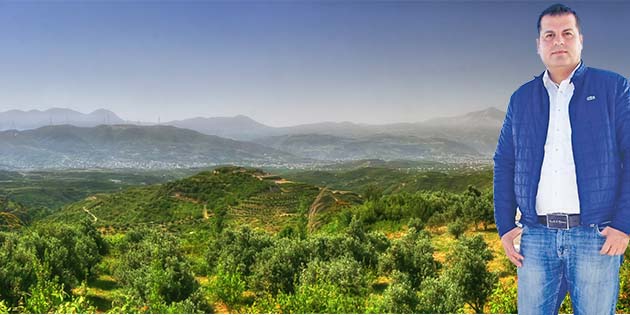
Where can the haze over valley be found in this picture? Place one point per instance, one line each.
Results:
(62, 138)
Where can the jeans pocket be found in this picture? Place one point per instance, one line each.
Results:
(599, 228)
(524, 229)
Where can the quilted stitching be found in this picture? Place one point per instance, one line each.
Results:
(600, 99)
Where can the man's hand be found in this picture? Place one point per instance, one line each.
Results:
(508, 245)
(616, 242)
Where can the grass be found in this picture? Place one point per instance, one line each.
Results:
(443, 243)
(101, 292)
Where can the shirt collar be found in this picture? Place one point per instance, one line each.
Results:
(548, 82)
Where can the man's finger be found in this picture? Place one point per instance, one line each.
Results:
(513, 254)
(516, 261)
(518, 255)
(616, 250)
(606, 248)
(515, 257)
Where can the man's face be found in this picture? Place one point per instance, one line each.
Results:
(559, 42)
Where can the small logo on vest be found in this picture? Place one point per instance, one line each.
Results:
(590, 98)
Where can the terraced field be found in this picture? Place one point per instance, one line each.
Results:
(275, 209)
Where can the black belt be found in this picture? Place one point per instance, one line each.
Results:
(559, 220)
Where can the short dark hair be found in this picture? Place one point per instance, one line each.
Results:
(559, 9)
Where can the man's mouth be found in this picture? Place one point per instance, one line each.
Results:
(559, 52)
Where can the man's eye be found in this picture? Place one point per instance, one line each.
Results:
(568, 34)
(548, 36)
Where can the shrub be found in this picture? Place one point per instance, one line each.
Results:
(468, 269)
(228, 286)
(412, 255)
(4, 309)
(236, 250)
(154, 273)
(52, 253)
(400, 297)
(326, 298)
(278, 267)
(504, 298)
(623, 304)
(344, 272)
(439, 295)
(48, 296)
(457, 228)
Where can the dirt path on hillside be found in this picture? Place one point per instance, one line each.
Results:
(90, 213)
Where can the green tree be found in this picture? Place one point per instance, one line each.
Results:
(48, 296)
(372, 193)
(277, 267)
(344, 272)
(468, 269)
(17, 268)
(236, 250)
(154, 272)
(228, 286)
(457, 228)
(400, 296)
(439, 295)
(413, 255)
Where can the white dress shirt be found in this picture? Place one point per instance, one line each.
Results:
(557, 188)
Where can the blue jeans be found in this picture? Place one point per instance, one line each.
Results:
(557, 260)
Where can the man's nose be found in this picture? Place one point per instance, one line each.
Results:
(559, 41)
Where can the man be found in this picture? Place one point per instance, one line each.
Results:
(563, 158)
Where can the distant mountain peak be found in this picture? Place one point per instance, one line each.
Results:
(490, 112)
(488, 117)
(32, 119)
(102, 111)
(235, 127)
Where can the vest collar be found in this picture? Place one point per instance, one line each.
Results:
(578, 73)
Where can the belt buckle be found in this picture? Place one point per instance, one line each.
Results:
(558, 221)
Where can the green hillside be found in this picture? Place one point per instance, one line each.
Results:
(50, 190)
(12, 215)
(240, 240)
(394, 180)
(224, 196)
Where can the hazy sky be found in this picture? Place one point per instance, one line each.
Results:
(284, 62)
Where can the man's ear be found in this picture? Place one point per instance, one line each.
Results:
(538, 46)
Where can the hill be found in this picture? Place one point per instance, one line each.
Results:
(394, 180)
(231, 195)
(129, 146)
(377, 146)
(12, 215)
(45, 191)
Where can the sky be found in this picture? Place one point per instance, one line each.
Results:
(285, 63)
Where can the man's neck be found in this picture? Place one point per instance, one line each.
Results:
(559, 74)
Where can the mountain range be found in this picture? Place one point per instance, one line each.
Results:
(129, 146)
(33, 119)
(100, 139)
